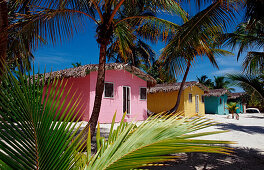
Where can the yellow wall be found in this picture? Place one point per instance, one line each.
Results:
(189, 107)
(159, 102)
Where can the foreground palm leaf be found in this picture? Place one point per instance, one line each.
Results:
(36, 126)
(131, 146)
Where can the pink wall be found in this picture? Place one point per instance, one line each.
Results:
(109, 106)
(85, 87)
(78, 89)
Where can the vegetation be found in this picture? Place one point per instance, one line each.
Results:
(159, 73)
(196, 38)
(252, 85)
(205, 81)
(130, 146)
(38, 132)
(77, 64)
(232, 107)
(55, 21)
(220, 82)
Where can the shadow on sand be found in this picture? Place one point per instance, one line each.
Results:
(246, 129)
(241, 159)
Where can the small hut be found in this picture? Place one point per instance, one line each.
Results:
(237, 97)
(163, 97)
(125, 90)
(215, 101)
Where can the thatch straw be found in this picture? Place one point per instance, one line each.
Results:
(175, 86)
(235, 95)
(217, 92)
(84, 70)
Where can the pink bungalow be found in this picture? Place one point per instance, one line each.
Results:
(124, 91)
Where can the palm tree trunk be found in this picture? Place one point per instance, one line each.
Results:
(99, 90)
(174, 109)
(3, 33)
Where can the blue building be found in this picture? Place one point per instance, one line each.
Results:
(237, 97)
(215, 101)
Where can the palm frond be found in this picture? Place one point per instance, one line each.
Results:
(254, 62)
(37, 126)
(249, 81)
(131, 146)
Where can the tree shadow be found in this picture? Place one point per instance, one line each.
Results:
(256, 117)
(241, 159)
(246, 129)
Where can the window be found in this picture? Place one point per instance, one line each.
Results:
(203, 99)
(143, 93)
(220, 101)
(126, 99)
(190, 98)
(109, 90)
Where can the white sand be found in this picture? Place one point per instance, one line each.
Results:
(248, 131)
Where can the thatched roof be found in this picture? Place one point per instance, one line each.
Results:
(175, 86)
(235, 95)
(84, 70)
(217, 92)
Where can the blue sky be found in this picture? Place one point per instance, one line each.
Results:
(84, 48)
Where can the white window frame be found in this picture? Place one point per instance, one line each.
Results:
(113, 90)
(189, 98)
(198, 100)
(129, 99)
(140, 93)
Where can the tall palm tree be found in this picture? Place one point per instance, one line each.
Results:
(252, 82)
(59, 19)
(195, 38)
(248, 40)
(205, 81)
(3, 30)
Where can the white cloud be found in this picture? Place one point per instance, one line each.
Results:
(224, 71)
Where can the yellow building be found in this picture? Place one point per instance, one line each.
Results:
(162, 97)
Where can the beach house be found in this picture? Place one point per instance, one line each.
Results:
(125, 90)
(215, 101)
(163, 97)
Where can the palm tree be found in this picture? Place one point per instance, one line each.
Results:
(195, 38)
(131, 146)
(77, 64)
(232, 107)
(205, 81)
(246, 39)
(37, 131)
(220, 82)
(3, 35)
(68, 16)
(252, 82)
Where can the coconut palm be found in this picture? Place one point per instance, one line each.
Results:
(247, 39)
(37, 131)
(130, 146)
(253, 82)
(232, 107)
(205, 81)
(37, 128)
(69, 16)
(3, 35)
(220, 82)
(195, 38)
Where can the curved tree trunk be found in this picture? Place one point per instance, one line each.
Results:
(3, 33)
(99, 91)
(176, 106)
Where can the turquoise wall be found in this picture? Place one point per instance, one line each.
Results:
(213, 106)
(240, 107)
